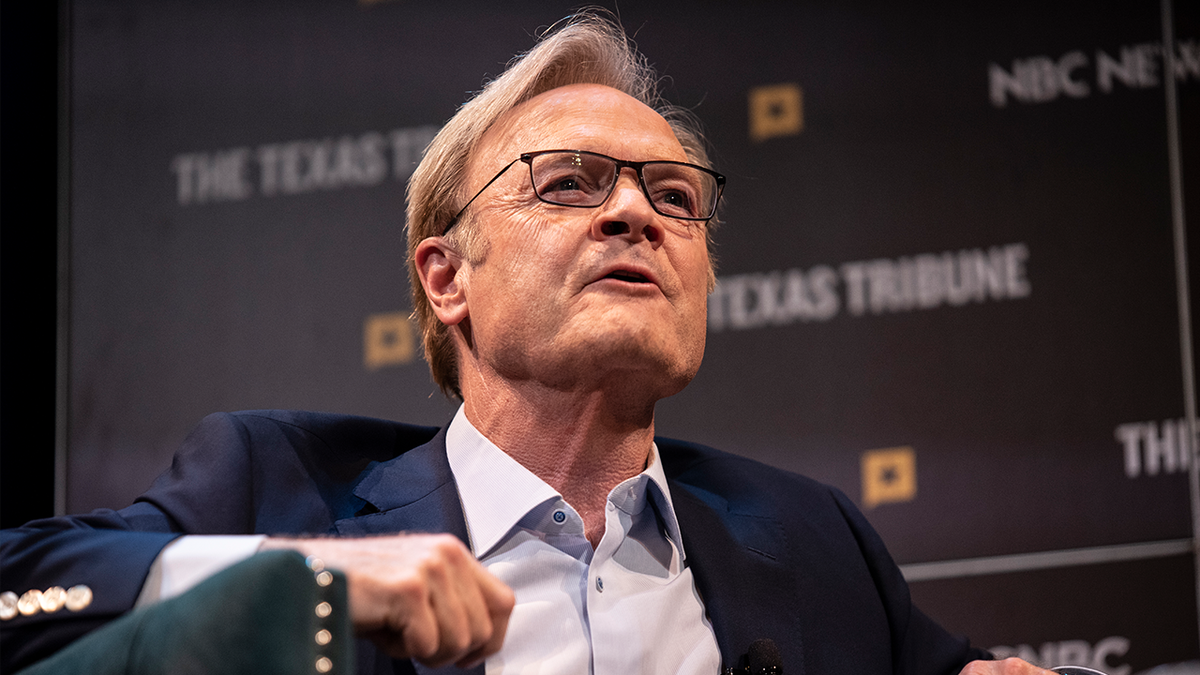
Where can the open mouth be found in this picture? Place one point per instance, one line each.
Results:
(626, 275)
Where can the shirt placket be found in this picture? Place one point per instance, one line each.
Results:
(614, 635)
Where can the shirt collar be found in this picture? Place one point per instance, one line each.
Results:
(496, 491)
(661, 494)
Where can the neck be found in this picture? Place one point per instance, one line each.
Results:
(581, 444)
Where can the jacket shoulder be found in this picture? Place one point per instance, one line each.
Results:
(382, 439)
(739, 480)
(829, 543)
(276, 470)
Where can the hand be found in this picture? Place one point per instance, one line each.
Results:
(1010, 666)
(419, 596)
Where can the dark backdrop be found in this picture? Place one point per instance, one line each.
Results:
(947, 282)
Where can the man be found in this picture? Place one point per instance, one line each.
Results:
(559, 246)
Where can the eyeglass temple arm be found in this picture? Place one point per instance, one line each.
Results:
(457, 216)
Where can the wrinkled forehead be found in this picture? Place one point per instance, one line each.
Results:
(576, 117)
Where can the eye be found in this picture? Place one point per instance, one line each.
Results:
(674, 201)
(562, 184)
(566, 187)
(677, 190)
(572, 179)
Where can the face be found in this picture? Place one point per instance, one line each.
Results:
(576, 298)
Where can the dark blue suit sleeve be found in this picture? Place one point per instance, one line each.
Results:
(780, 556)
(919, 644)
(111, 551)
(99, 550)
(254, 472)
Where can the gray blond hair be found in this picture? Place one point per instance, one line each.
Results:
(586, 48)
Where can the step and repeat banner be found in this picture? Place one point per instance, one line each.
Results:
(946, 278)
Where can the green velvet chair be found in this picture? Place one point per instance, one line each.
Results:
(270, 614)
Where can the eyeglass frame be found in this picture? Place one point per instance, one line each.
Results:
(621, 164)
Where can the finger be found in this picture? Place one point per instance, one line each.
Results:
(420, 631)
(468, 577)
(479, 615)
(496, 602)
(500, 601)
(1009, 666)
(492, 645)
(394, 613)
(449, 599)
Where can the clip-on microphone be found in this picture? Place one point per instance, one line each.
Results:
(761, 659)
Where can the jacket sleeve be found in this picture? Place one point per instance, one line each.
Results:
(919, 645)
(111, 552)
(101, 550)
(254, 472)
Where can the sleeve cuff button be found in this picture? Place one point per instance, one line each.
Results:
(78, 597)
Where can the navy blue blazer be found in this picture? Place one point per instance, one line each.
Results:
(774, 554)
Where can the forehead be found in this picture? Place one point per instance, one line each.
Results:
(580, 117)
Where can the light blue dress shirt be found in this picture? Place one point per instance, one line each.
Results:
(629, 607)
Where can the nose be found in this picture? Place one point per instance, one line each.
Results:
(627, 213)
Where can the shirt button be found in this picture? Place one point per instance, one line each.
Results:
(599, 584)
(559, 516)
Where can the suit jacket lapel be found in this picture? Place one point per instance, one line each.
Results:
(737, 558)
(739, 563)
(413, 492)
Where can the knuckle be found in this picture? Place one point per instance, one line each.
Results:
(481, 631)
(446, 542)
(458, 642)
(420, 644)
(452, 550)
(410, 591)
(442, 550)
(507, 600)
(1013, 665)
(975, 668)
(436, 570)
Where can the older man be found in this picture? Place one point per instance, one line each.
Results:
(559, 246)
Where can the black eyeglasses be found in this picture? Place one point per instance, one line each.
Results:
(585, 180)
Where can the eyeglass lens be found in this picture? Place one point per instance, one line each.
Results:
(584, 179)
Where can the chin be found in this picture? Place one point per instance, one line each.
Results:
(639, 364)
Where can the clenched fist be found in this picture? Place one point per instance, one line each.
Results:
(419, 596)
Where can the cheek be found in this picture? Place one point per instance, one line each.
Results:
(532, 265)
(540, 251)
(694, 270)
(527, 264)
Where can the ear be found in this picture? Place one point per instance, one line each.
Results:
(440, 269)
